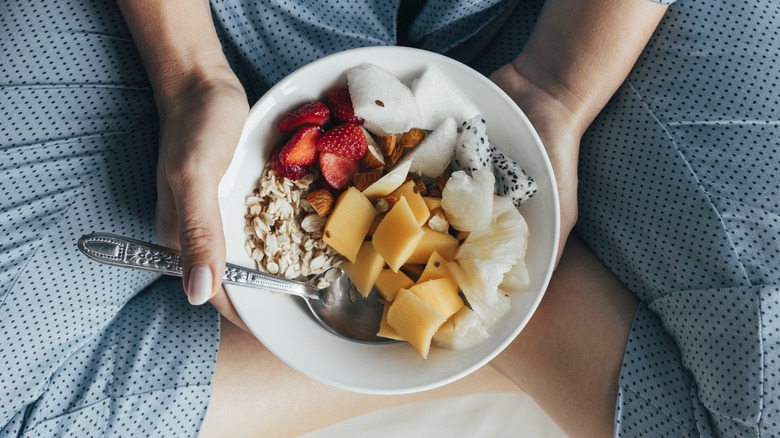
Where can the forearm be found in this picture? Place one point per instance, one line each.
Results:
(581, 51)
(178, 45)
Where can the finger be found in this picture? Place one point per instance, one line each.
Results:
(201, 238)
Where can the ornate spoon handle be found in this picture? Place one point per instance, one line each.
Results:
(115, 250)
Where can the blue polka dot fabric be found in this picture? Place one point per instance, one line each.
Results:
(679, 196)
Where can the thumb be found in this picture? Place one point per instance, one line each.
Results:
(201, 239)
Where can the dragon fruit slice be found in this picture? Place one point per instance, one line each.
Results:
(511, 179)
(472, 149)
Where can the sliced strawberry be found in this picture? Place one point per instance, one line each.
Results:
(338, 171)
(311, 113)
(301, 149)
(340, 104)
(346, 140)
(292, 172)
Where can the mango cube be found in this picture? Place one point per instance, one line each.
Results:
(385, 330)
(414, 320)
(432, 202)
(389, 283)
(366, 269)
(435, 268)
(431, 241)
(348, 223)
(397, 235)
(416, 202)
(441, 294)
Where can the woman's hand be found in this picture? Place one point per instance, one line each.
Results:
(559, 130)
(202, 108)
(199, 132)
(576, 57)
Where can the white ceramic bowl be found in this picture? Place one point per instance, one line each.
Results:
(285, 327)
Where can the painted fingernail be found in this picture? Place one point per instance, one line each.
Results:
(199, 285)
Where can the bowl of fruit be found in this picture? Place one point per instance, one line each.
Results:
(424, 182)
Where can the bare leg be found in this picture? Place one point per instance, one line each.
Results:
(568, 358)
(256, 393)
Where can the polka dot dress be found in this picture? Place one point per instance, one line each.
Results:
(679, 196)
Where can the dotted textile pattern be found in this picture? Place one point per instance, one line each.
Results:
(678, 189)
(86, 350)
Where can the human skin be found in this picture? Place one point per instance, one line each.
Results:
(576, 57)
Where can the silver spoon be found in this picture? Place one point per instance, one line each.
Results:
(337, 307)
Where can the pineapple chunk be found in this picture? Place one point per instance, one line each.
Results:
(517, 279)
(385, 330)
(348, 223)
(415, 200)
(431, 241)
(463, 330)
(365, 271)
(390, 282)
(414, 320)
(397, 235)
(441, 294)
(435, 268)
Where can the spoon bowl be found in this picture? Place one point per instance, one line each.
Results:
(336, 305)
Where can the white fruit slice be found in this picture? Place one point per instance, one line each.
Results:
(479, 280)
(387, 105)
(511, 179)
(432, 156)
(517, 279)
(463, 330)
(439, 98)
(468, 200)
(472, 148)
(506, 238)
(389, 182)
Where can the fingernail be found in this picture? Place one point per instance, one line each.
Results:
(199, 285)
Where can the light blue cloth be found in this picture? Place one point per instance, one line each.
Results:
(678, 186)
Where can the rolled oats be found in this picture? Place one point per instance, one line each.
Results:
(284, 231)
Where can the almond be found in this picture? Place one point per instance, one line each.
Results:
(412, 138)
(385, 203)
(362, 180)
(373, 159)
(443, 178)
(420, 186)
(391, 159)
(321, 200)
(387, 144)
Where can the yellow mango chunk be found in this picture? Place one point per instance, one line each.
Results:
(431, 241)
(414, 320)
(348, 223)
(441, 294)
(397, 235)
(416, 202)
(385, 330)
(366, 269)
(390, 282)
(435, 268)
(432, 202)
